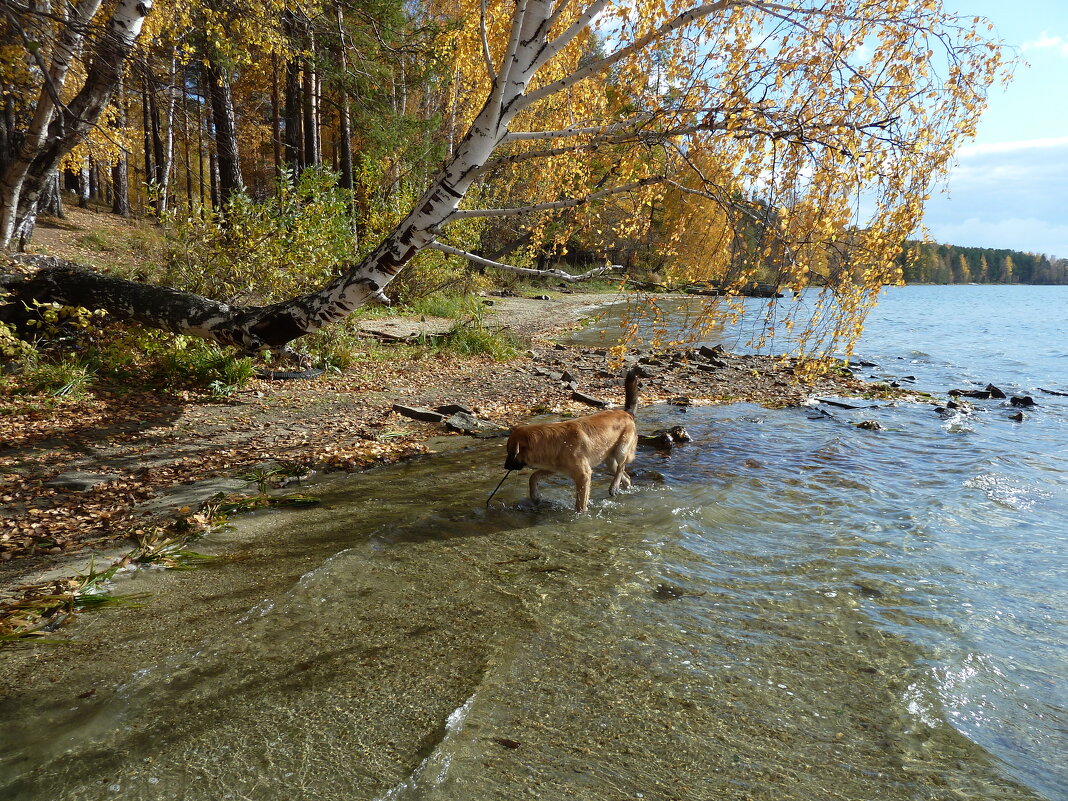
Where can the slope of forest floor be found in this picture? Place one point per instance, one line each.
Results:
(120, 467)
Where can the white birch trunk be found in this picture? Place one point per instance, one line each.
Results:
(168, 143)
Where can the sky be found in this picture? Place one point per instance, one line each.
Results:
(1010, 186)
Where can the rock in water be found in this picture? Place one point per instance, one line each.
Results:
(665, 438)
(473, 426)
(589, 400)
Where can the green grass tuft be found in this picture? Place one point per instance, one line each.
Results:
(205, 364)
(69, 378)
(476, 339)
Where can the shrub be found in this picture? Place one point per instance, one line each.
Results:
(265, 251)
(13, 349)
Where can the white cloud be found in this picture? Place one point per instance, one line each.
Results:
(1006, 195)
(1011, 147)
(1046, 42)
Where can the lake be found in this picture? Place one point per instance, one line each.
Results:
(789, 607)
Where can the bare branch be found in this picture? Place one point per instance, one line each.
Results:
(557, 204)
(46, 73)
(589, 130)
(559, 274)
(529, 155)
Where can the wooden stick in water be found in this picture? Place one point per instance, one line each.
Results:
(490, 498)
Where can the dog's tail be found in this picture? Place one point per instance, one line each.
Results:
(630, 387)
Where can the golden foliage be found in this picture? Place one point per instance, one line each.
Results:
(795, 142)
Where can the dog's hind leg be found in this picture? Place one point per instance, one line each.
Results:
(617, 465)
(535, 477)
(620, 479)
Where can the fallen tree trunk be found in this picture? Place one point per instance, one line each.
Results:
(67, 283)
(251, 329)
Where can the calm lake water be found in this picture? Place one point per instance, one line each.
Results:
(788, 608)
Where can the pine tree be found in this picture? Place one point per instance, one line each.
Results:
(1008, 271)
(963, 274)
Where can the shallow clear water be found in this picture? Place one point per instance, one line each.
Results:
(787, 608)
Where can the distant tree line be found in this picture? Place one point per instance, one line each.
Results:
(927, 263)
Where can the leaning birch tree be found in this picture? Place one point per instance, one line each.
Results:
(828, 121)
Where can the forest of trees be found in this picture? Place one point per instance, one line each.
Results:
(717, 142)
(927, 263)
(219, 98)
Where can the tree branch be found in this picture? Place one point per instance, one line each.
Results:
(485, 44)
(556, 204)
(508, 59)
(573, 30)
(600, 65)
(559, 274)
(589, 130)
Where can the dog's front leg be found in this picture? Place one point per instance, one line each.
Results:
(621, 479)
(535, 477)
(582, 476)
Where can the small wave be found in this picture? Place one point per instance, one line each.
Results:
(262, 609)
(1007, 491)
(433, 770)
(921, 706)
(958, 424)
(317, 574)
(963, 706)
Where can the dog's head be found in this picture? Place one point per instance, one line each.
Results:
(514, 459)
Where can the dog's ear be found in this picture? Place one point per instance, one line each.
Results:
(513, 459)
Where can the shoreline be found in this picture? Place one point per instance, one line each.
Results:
(95, 486)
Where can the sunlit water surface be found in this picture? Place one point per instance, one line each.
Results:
(788, 608)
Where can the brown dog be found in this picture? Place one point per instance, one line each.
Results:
(575, 447)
